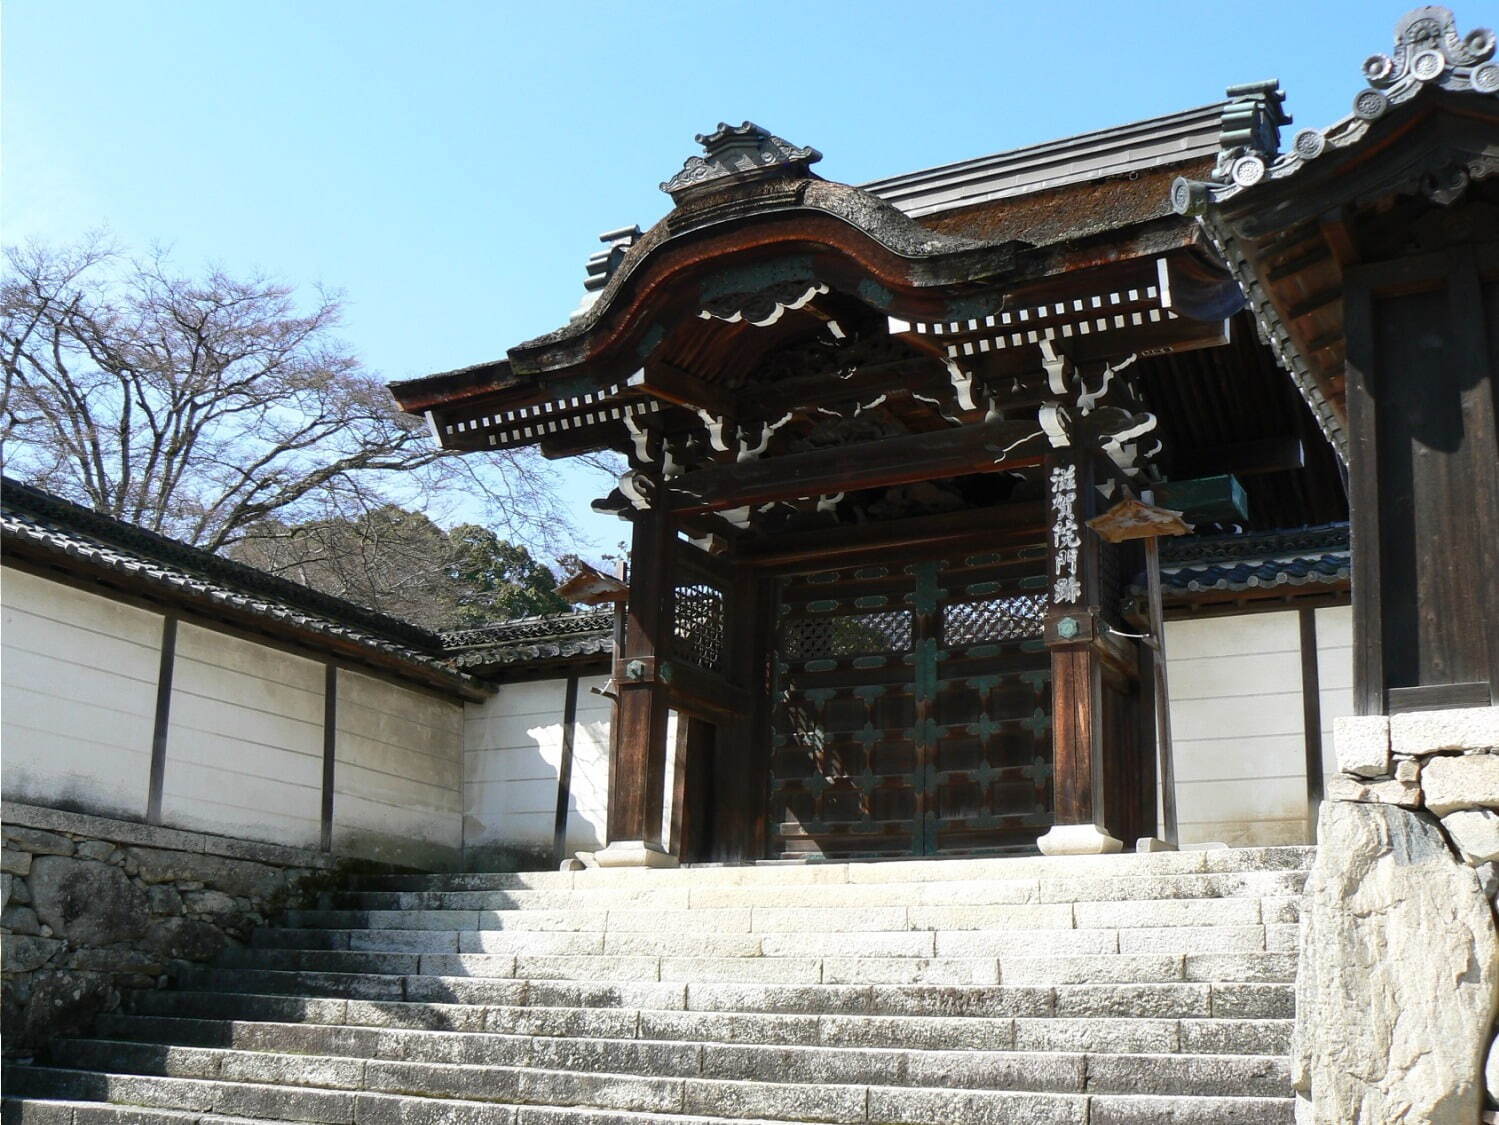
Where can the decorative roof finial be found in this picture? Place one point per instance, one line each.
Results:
(1428, 48)
(739, 152)
(1428, 53)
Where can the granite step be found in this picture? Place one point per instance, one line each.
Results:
(333, 1102)
(943, 893)
(1206, 861)
(1110, 968)
(212, 1019)
(637, 917)
(380, 1109)
(1175, 999)
(1273, 937)
(1097, 990)
(383, 1066)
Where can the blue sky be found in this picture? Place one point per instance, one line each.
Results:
(448, 164)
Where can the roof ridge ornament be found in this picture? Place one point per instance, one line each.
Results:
(1428, 52)
(737, 153)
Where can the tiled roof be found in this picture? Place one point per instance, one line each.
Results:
(39, 521)
(1235, 563)
(1123, 150)
(530, 640)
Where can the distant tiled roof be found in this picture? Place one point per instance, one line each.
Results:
(1122, 150)
(37, 520)
(530, 640)
(1236, 563)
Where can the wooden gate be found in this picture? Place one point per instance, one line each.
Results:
(912, 709)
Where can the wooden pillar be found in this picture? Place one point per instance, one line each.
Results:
(638, 778)
(1073, 634)
(1423, 358)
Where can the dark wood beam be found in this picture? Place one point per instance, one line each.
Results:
(986, 447)
(1243, 459)
(671, 384)
(1026, 521)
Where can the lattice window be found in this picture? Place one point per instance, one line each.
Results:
(810, 638)
(697, 626)
(1010, 618)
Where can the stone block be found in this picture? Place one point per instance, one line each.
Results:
(1197, 1075)
(1467, 781)
(36, 841)
(88, 903)
(99, 850)
(1341, 787)
(20, 920)
(975, 1107)
(186, 939)
(1488, 879)
(232, 876)
(208, 902)
(388, 1109)
(1475, 833)
(1149, 1001)
(1143, 969)
(1153, 1109)
(14, 862)
(1148, 1036)
(1362, 744)
(923, 1033)
(1408, 770)
(24, 953)
(1491, 1072)
(1461, 728)
(1399, 974)
(784, 1103)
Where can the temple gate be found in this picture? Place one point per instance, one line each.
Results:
(867, 614)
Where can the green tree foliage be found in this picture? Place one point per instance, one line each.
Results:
(403, 564)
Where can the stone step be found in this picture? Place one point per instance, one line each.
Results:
(46, 1111)
(1253, 884)
(1105, 968)
(247, 1020)
(1099, 959)
(1230, 1000)
(1207, 861)
(740, 1100)
(1102, 914)
(381, 1109)
(1039, 1072)
(1030, 944)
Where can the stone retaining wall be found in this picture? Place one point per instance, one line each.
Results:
(92, 906)
(1398, 986)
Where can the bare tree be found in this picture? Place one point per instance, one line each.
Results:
(204, 407)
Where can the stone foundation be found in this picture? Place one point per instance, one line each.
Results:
(1398, 987)
(93, 906)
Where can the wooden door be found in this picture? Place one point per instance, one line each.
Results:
(911, 709)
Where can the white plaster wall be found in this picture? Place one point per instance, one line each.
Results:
(1334, 676)
(245, 742)
(397, 774)
(1237, 726)
(512, 757)
(77, 696)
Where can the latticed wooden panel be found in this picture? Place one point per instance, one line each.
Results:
(912, 711)
(698, 625)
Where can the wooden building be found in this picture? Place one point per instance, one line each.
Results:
(880, 438)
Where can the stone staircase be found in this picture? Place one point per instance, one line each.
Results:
(1099, 990)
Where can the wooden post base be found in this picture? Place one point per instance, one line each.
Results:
(634, 853)
(1078, 839)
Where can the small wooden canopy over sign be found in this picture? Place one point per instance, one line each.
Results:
(1134, 519)
(593, 587)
